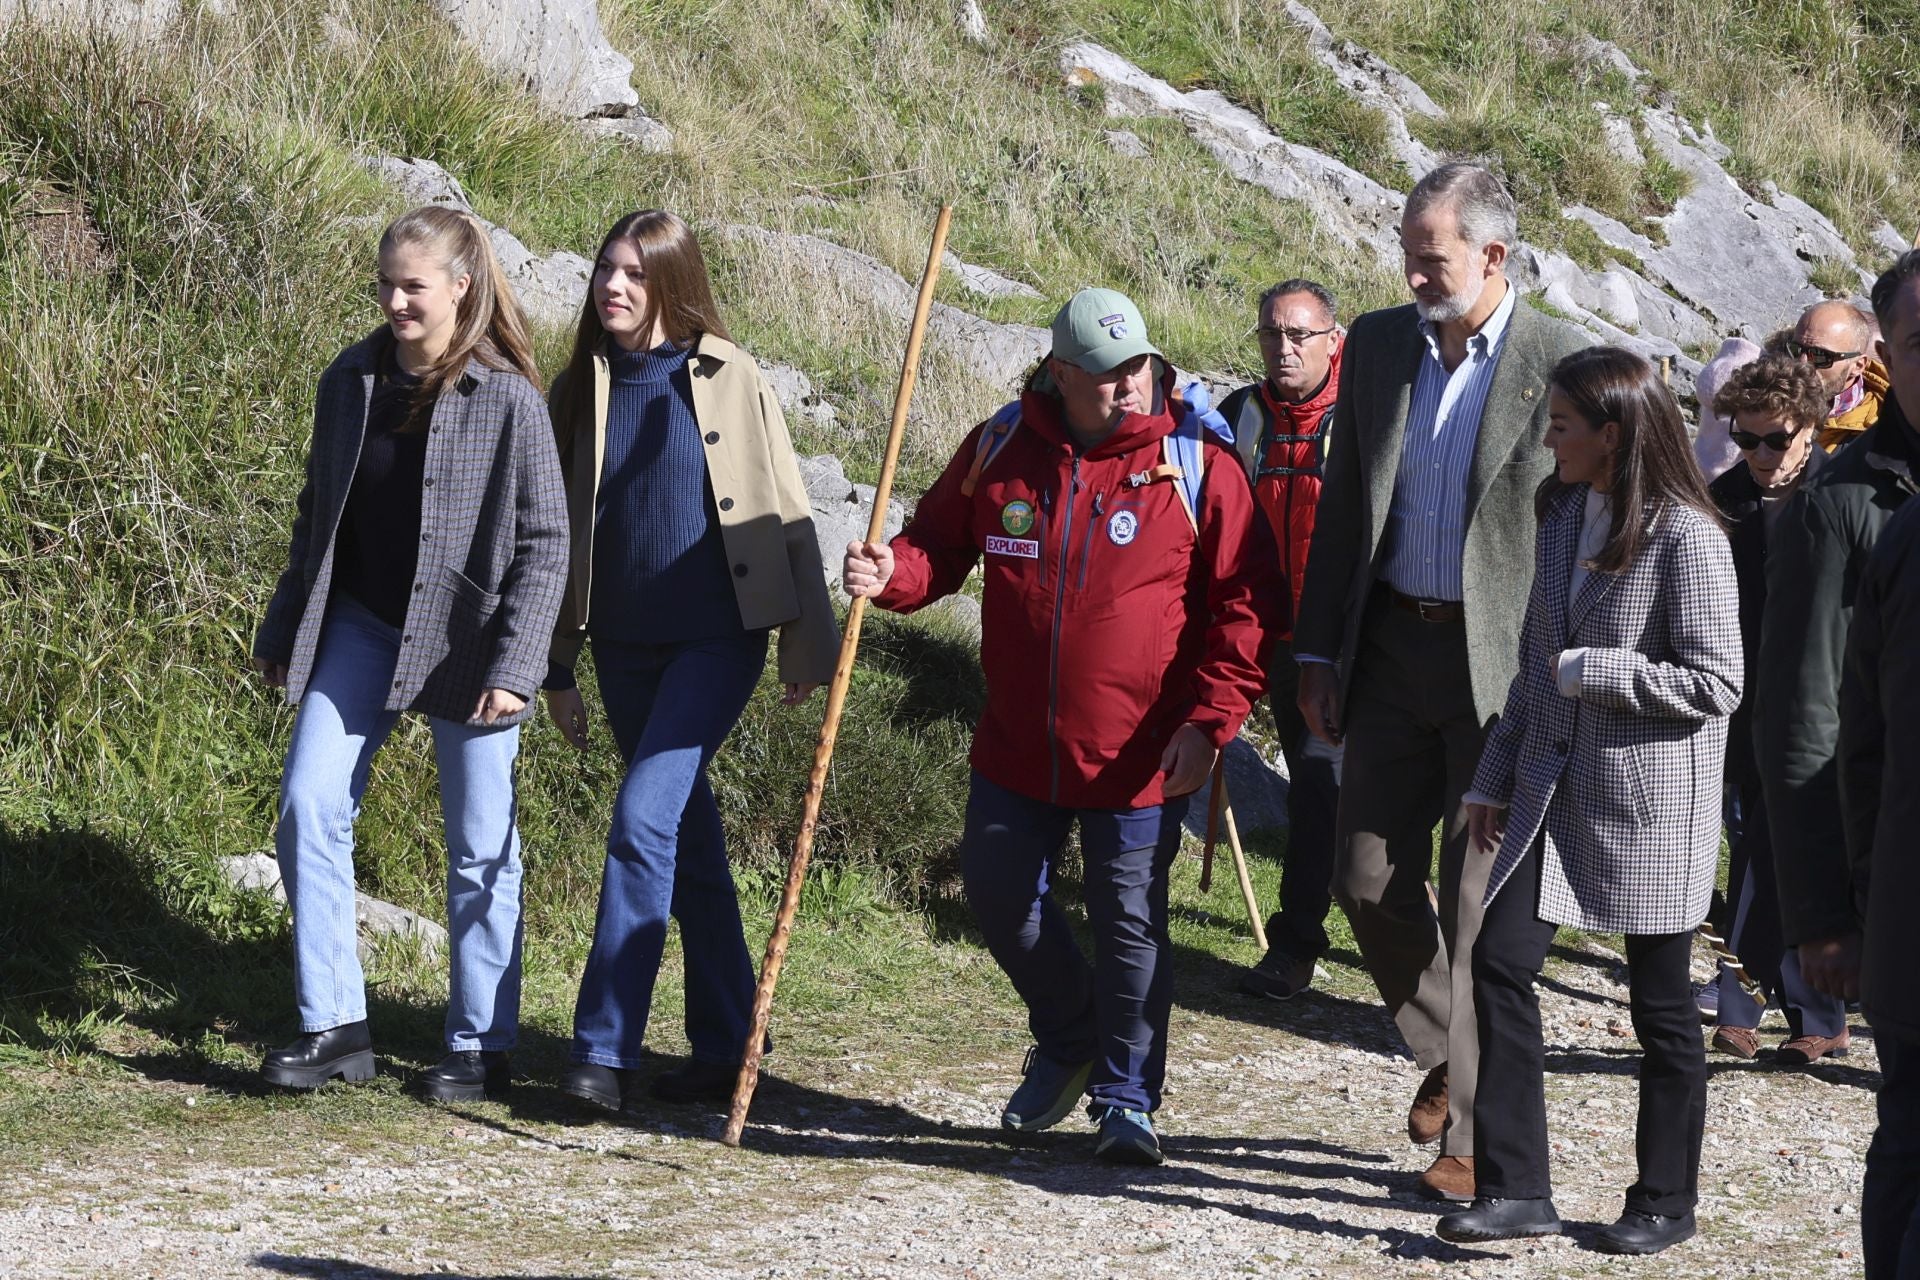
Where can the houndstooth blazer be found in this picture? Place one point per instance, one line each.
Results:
(493, 540)
(1623, 781)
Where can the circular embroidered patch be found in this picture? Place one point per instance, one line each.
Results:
(1017, 517)
(1123, 527)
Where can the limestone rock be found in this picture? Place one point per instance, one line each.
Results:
(550, 289)
(1618, 131)
(962, 612)
(1127, 143)
(122, 19)
(841, 512)
(985, 282)
(1374, 81)
(1888, 237)
(794, 390)
(1000, 354)
(1605, 53)
(377, 920)
(639, 131)
(972, 22)
(556, 48)
(1257, 789)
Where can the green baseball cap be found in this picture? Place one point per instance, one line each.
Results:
(1100, 329)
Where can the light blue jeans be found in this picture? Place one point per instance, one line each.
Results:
(342, 722)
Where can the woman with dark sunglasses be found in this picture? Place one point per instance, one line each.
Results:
(1778, 406)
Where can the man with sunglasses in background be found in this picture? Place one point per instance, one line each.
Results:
(1816, 560)
(1836, 340)
(1280, 432)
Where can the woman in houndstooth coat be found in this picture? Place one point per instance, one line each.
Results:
(1598, 793)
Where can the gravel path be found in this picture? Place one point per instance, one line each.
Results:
(1282, 1123)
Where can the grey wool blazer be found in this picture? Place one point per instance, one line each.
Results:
(1377, 372)
(1624, 780)
(493, 540)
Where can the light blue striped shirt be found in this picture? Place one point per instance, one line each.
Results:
(1426, 531)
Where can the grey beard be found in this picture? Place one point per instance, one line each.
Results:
(1450, 309)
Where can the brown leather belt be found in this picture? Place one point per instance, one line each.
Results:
(1429, 610)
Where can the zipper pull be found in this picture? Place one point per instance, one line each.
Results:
(1099, 504)
(1046, 501)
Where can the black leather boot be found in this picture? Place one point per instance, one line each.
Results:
(467, 1075)
(604, 1087)
(1639, 1232)
(697, 1081)
(318, 1056)
(1492, 1219)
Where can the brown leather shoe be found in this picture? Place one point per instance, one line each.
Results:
(1805, 1050)
(1427, 1117)
(1448, 1178)
(1741, 1042)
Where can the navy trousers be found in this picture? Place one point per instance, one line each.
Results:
(1114, 1011)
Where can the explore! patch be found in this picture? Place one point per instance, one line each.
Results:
(1017, 517)
(1025, 548)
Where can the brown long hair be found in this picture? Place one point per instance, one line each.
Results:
(679, 299)
(1653, 466)
(488, 324)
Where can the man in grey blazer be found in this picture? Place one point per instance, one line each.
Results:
(1409, 624)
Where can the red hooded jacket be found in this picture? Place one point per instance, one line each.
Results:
(1290, 440)
(1106, 622)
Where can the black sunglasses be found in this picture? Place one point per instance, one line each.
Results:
(1778, 441)
(1818, 357)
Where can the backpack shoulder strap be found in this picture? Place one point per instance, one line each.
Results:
(1186, 453)
(992, 440)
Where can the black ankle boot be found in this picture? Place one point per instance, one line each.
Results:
(604, 1087)
(467, 1075)
(1639, 1232)
(1494, 1219)
(697, 1081)
(318, 1056)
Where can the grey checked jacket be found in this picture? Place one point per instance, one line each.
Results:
(1623, 781)
(493, 540)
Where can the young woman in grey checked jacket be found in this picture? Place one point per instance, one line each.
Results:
(1598, 792)
(692, 539)
(427, 562)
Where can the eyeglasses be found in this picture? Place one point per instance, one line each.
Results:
(1778, 441)
(1298, 337)
(1818, 357)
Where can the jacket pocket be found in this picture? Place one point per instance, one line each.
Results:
(468, 635)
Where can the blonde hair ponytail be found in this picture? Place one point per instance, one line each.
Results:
(488, 324)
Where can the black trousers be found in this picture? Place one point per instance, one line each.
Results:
(1510, 1109)
(1299, 927)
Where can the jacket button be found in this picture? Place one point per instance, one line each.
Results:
(406, 639)
(1560, 747)
(726, 504)
(418, 587)
(739, 571)
(427, 483)
(713, 437)
(396, 684)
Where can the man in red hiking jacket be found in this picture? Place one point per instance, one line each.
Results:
(1280, 432)
(1128, 596)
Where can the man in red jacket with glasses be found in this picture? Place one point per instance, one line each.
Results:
(1280, 432)
(1127, 599)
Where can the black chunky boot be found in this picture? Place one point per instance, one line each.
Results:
(467, 1075)
(318, 1056)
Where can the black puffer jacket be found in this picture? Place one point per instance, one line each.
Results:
(1742, 504)
(1815, 564)
(1879, 760)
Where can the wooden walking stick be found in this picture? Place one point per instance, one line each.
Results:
(836, 702)
(1239, 859)
(1213, 825)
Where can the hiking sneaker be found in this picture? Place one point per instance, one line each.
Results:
(1278, 976)
(1126, 1137)
(1706, 996)
(1046, 1094)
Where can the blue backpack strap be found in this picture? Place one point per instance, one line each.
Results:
(999, 429)
(1185, 450)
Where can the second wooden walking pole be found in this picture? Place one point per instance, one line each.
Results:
(836, 701)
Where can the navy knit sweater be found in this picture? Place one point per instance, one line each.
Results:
(660, 572)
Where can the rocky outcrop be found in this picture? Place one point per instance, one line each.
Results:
(1257, 789)
(984, 282)
(841, 511)
(998, 354)
(1374, 81)
(120, 19)
(558, 51)
(378, 921)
